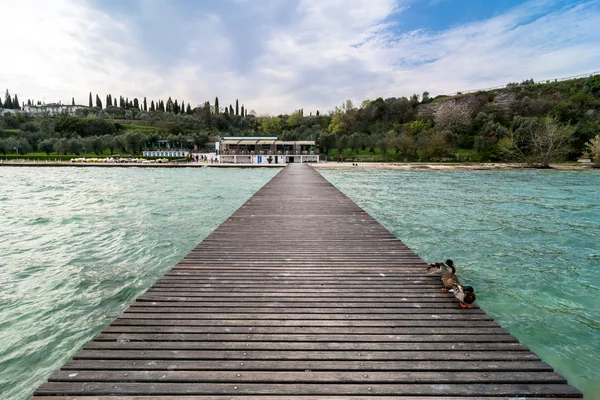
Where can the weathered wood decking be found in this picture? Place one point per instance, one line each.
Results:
(300, 294)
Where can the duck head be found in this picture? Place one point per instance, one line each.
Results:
(450, 263)
(470, 294)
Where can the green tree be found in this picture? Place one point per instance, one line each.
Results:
(61, 146)
(326, 141)
(188, 110)
(152, 105)
(270, 126)
(242, 111)
(72, 101)
(16, 104)
(98, 102)
(109, 142)
(90, 102)
(538, 144)
(8, 100)
(216, 105)
(593, 150)
(46, 145)
(136, 103)
(425, 97)
(237, 108)
(230, 109)
(145, 105)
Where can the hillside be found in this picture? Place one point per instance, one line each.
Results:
(481, 126)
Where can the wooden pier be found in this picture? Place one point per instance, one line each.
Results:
(300, 294)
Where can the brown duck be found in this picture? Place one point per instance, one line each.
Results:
(449, 279)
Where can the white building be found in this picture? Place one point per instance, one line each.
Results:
(264, 150)
(52, 109)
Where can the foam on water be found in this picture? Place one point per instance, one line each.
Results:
(77, 245)
(528, 241)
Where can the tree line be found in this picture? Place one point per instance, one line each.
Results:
(529, 122)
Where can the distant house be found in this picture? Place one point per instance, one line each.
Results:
(4, 111)
(52, 109)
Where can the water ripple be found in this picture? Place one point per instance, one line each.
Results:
(526, 240)
(78, 245)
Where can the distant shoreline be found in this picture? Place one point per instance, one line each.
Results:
(445, 166)
(328, 165)
(135, 165)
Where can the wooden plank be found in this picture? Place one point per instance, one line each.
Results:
(300, 294)
(366, 333)
(311, 365)
(320, 337)
(314, 346)
(397, 377)
(358, 355)
(261, 388)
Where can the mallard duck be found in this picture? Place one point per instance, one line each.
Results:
(436, 268)
(465, 294)
(449, 279)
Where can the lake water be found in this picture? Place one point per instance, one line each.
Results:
(77, 245)
(527, 241)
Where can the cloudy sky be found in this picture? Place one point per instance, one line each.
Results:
(280, 55)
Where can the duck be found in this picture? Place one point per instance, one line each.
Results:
(449, 279)
(436, 268)
(465, 294)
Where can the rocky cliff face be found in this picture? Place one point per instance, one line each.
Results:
(501, 99)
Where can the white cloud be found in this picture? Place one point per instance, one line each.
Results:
(314, 56)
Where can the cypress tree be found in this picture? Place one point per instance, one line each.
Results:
(207, 114)
(226, 112)
(115, 102)
(169, 107)
(152, 105)
(28, 102)
(7, 100)
(1, 106)
(136, 103)
(216, 105)
(189, 109)
(246, 113)
(230, 110)
(98, 102)
(16, 104)
(72, 101)
(182, 108)
(126, 103)
(145, 105)
(242, 110)
(176, 107)
(237, 108)
(318, 113)
(90, 103)
(161, 106)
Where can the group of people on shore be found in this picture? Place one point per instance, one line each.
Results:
(203, 158)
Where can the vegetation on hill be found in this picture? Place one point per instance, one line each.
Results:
(530, 122)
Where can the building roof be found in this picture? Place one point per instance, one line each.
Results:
(271, 138)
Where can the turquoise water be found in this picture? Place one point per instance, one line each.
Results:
(77, 245)
(528, 241)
